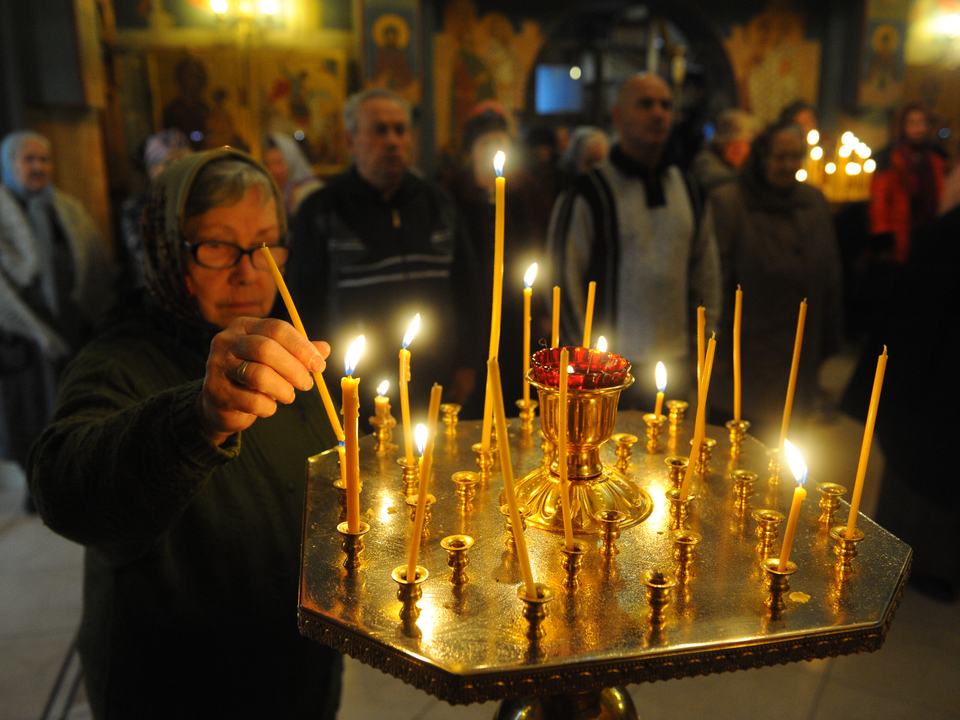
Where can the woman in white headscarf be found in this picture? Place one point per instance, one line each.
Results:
(55, 279)
(291, 170)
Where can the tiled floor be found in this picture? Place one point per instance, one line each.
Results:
(915, 675)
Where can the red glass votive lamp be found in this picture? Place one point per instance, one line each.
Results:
(591, 369)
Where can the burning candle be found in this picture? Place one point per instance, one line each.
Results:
(867, 441)
(298, 324)
(426, 463)
(527, 296)
(699, 429)
(701, 339)
(497, 295)
(588, 321)
(794, 367)
(555, 330)
(381, 401)
(737, 312)
(562, 431)
(493, 372)
(799, 469)
(404, 390)
(661, 387)
(351, 415)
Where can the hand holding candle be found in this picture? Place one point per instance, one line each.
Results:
(867, 441)
(404, 391)
(528, 279)
(351, 416)
(799, 469)
(661, 387)
(426, 464)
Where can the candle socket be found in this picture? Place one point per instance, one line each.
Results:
(450, 411)
(845, 550)
(528, 411)
(410, 476)
(466, 482)
(677, 467)
(508, 525)
(457, 560)
(484, 460)
(383, 432)
(341, 485)
(738, 429)
(684, 552)
(352, 544)
(610, 524)
(658, 588)
(743, 481)
(774, 466)
(778, 583)
(703, 458)
(679, 509)
(572, 562)
(767, 523)
(535, 610)
(409, 593)
(830, 494)
(654, 425)
(625, 443)
(675, 411)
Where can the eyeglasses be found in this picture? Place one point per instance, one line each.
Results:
(223, 255)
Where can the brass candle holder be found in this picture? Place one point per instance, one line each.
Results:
(412, 501)
(625, 443)
(774, 465)
(679, 509)
(341, 485)
(703, 458)
(684, 552)
(466, 482)
(485, 460)
(845, 550)
(743, 481)
(457, 559)
(573, 561)
(675, 411)
(352, 544)
(738, 430)
(677, 466)
(654, 425)
(409, 593)
(508, 524)
(830, 494)
(528, 411)
(659, 585)
(610, 521)
(535, 610)
(383, 431)
(778, 583)
(768, 521)
(410, 474)
(450, 412)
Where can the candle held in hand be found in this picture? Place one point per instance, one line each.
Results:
(799, 469)
(351, 416)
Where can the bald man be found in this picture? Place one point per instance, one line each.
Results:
(633, 226)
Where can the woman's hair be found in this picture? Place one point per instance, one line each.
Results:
(580, 139)
(760, 147)
(224, 182)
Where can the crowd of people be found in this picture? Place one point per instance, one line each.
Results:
(175, 452)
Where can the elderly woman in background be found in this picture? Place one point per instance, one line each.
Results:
(290, 169)
(588, 147)
(725, 154)
(176, 457)
(56, 278)
(777, 242)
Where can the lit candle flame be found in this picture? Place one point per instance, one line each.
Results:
(498, 161)
(830, 168)
(411, 331)
(795, 460)
(218, 6)
(801, 175)
(269, 7)
(816, 153)
(847, 138)
(813, 137)
(353, 355)
(602, 344)
(863, 150)
(661, 377)
(383, 387)
(420, 434)
(530, 276)
(870, 165)
(570, 370)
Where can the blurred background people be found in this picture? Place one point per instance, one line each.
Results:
(589, 146)
(777, 242)
(543, 159)
(290, 169)
(56, 278)
(725, 153)
(190, 534)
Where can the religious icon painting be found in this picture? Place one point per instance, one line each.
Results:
(391, 57)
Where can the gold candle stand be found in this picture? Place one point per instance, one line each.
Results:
(845, 550)
(341, 485)
(738, 430)
(485, 460)
(654, 425)
(528, 411)
(457, 559)
(676, 467)
(743, 481)
(830, 494)
(410, 475)
(573, 562)
(508, 524)
(535, 609)
(352, 544)
(679, 509)
(466, 482)
(778, 583)
(451, 412)
(610, 521)
(625, 443)
(427, 511)
(658, 588)
(767, 523)
(703, 458)
(684, 552)
(675, 411)
(383, 432)
(409, 593)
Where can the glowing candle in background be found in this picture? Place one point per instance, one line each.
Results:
(562, 431)
(351, 416)
(404, 390)
(588, 320)
(381, 401)
(867, 441)
(794, 367)
(661, 387)
(555, 330)
(426, 464)
(498, 161)
(799, 469)
(699, 428)
(527, 296)
(737, 312)
(701, 339)
(298, 324)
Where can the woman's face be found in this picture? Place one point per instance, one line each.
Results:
(32, 167)
(277, 166)
(241, 291)
(785, 160)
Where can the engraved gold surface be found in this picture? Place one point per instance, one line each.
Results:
(469, 642)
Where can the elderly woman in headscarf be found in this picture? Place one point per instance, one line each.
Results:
(176, 457)
(291, 170)
(777, 242)
(55, 279)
